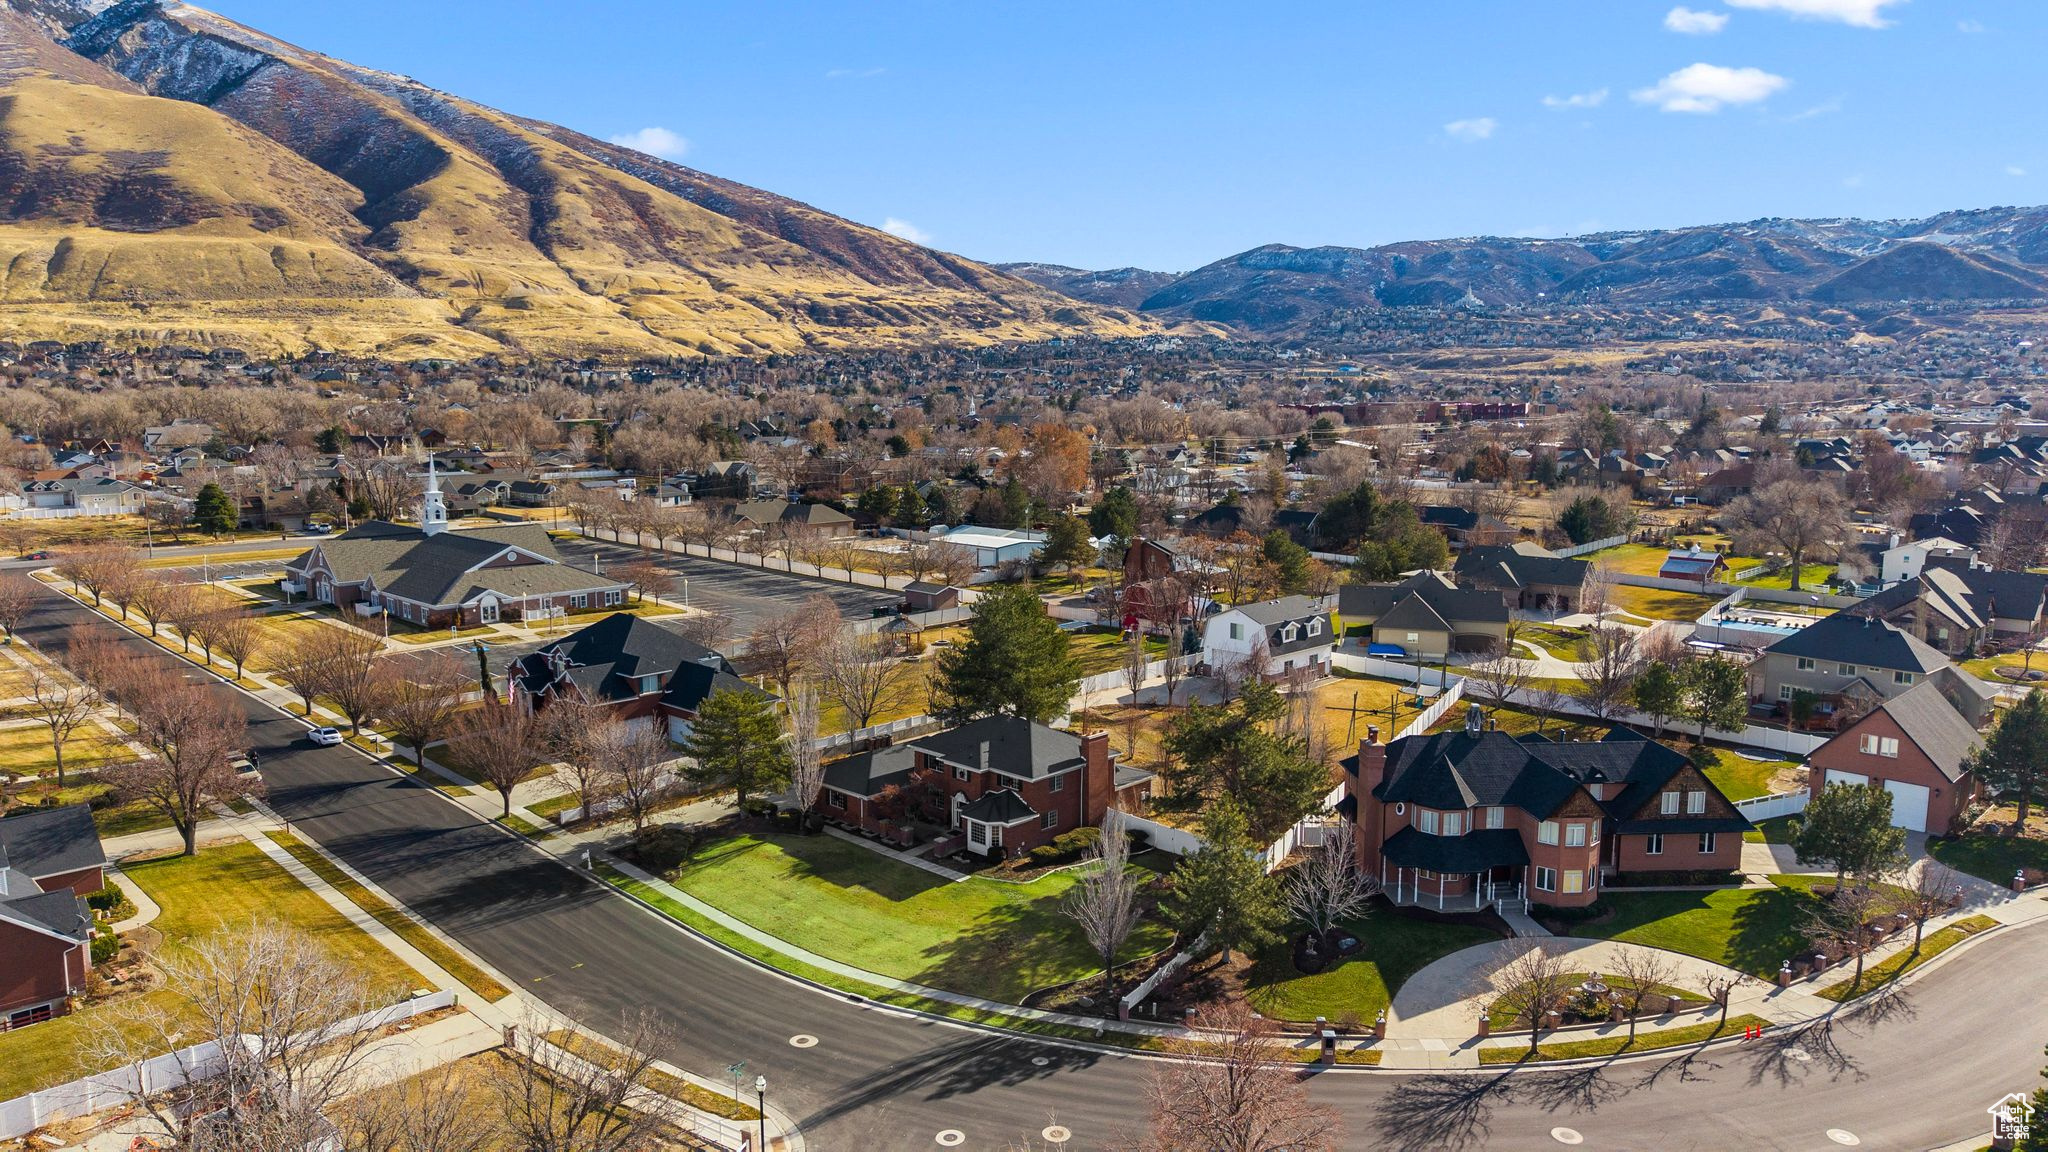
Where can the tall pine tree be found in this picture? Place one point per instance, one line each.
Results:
(1015, 662)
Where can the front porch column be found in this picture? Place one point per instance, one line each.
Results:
(1476, 880)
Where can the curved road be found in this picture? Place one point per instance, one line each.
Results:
(1915, 1072)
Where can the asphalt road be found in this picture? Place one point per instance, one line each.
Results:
(1916, 1075)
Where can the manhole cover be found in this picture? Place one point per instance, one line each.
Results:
(802, 1040)
(951, 1138)
(1056, 1135)
(1799, 1054)
(1841, 1137)
(1039, 1061)
(1567, 1136)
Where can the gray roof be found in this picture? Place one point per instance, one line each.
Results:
(61, 913)
(1933, 724)
(1852, 639)
(51, 841)
(1001, 806)
(869, 773)
(442, 568)
(1011, 745)
(599, 658)
(1508, 567)
(1453, 605)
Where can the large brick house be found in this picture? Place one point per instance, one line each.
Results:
(1914, 746)
(435, 577)
(1005, 784)
(1462, 819)
(50, 860)
(634, 668)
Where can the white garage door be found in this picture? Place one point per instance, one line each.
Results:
(1909, 805)
(1837, 776)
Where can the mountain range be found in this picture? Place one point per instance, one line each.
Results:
(168, 175)
(1987, 254)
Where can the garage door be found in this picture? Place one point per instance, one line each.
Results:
(1837, 776)
(1909, 805)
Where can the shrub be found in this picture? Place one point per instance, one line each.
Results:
(105, 946)
(664, 847)
(1593, 911)
(1687, 878)
(1065, 847)
(106, 899)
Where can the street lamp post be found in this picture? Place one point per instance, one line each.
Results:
(761, 1107)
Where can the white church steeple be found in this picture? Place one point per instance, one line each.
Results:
(433, 510)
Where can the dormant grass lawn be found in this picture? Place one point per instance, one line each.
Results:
(1395, 947)
(26, 749)
(223, 887)
(1658, 603)
(982, 937)
(1934, 944)
(1740, 778)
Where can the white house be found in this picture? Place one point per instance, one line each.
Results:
(92, 497)
(1293, 632)
(1902, 562)
(994, 546)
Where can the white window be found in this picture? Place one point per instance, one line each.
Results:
(1574, 880)
(1695, 803)
(1287, 634)
(580, 600)
(1454, 823)
(1785, 692)
(1495, 817)
(1050, 819)
(835, 800)
(1546, 832)
(959, 773)
(1315, 627)
(1426, 819)
(1236, 630)
(1806, 665)
(614, 598)
(1059, 783)
(1575, 835)
(1546, 879)
(1902, 677)
(1706, 843)
(1653, 844)
(1878, 746)
(1846, 669)
(1667, 804)
(1400, 809)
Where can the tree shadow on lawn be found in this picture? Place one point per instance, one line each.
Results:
(1015, 949)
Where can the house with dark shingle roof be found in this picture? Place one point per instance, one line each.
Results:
(1850, 662)
(632, 666)
(1464, 819)
(1279, 636)
(50, 860)
(1536, 579)
(1426, 615)
(434, 579)
(1915, 746)
(1004, 784)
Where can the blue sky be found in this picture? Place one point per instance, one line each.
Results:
(1170, 135)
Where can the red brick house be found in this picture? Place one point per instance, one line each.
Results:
(1156, 590)
(1463, 819)
(50, 860)
(1006, 784)
(635, 668)
(1913, 746)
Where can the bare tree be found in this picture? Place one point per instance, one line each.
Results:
(1608, 669)
(568, 1094)
(631, 758)
(782, 646)
(420, 704)
(428, 1113)
(191, 734)
(92, 568)
(1596, 591)
(1499, 675)
(502, 744)
(1934, 892)
(1135, 663)
(61, 705)
(1840, 923)
(270, 999)
(1722, 984)
(565, 729)
(806, 759)
(855, 671)
(1801, 518)
(711, 627)
(1528, 987)
(346, 658)
(303, 669)
(1329, 887)
(1640, 972)
(1233, 1090)
(238, 635)
(646, 575)
(1104, 901)
(18, 597)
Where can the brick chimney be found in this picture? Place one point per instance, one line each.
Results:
(1098, 778)
(1372, 769)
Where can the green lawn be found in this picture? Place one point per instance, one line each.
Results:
(1740, 778)
(1986, 667)
(1099, 652)
(26, 749)
(1752, 929)
(1396, 947)
(1563, 643)
(1812, 577)
(1619, 1044)
(1992, 856)
(840, 900)
(227, 885)
(1658, 603)
(1878, 975)
(1776, 830)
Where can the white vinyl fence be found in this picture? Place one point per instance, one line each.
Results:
(1435, 712)
(1590, 546)
(1426, 675)
(1769, 807)
(25, 1114)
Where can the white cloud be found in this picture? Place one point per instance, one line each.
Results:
(1970, 27)
(2015, 170)
(1477, 128)
(1826, 108)
(1695, 23)
(655, 142)
(1593, 99)
(1859, 13)
(906, 230)
(854, 73)
(1706, 88)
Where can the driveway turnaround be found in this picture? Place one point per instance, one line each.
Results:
(1915, 1071)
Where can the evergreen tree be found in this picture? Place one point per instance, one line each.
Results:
(1290, 561)
(1658, 693)
(1066, 545)
(1224, 889)
(737, 744)
(880, 502)
(1849, 827)
(1015, 662)
(1116, 514)
(1399, 542)
(1714, 693)
(2014, 756)
(1234, 752)
(1016, 504)
(213, 511)
(1592, 518)
(910, 508)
